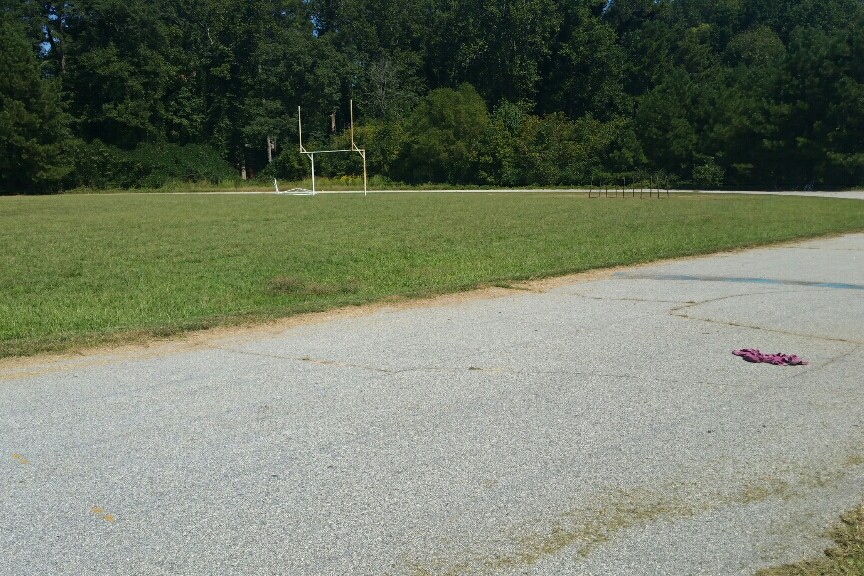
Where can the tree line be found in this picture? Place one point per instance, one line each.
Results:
(749, 93)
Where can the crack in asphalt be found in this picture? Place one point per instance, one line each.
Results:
(639, 378)
(740, 280)
(763, 329)
(319, 361)
(677, 312)
(836, 358)
(817, 249)
(622, 299)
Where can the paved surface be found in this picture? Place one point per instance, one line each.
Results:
(600, 427)
(851, 194)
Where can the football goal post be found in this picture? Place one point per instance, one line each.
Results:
(311, 153)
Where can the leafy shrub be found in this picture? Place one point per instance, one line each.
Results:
(99, 165)
(289, 164)
(709, 174)
(442, 132)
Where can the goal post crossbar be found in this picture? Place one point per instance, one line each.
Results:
(311, 153)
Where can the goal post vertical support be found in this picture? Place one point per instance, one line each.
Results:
(364, 173)
(303, 150)
(312, 158)
(361, 151)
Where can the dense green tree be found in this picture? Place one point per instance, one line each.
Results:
(441, 137)
(844, 112)
(664, 125)
(585, 72)
(765, 93)
(498, 47)
(647, 34)
(34, 136)
(116, 70)
(382, 44)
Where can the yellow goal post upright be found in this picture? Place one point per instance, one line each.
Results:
(311, 153)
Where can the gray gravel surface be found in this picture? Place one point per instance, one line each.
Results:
(599, 427)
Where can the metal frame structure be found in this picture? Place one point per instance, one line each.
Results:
(655, 183)
(311, 153)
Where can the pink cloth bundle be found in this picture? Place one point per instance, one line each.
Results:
(756, 356)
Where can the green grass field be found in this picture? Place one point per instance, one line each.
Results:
(94, 269)
(845, 558)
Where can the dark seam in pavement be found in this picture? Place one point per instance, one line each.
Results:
(817, 249)
(638, 378)
(730, 296)
(508, 371)
(322, 362)
(647, 300)
(687, 303)
(739, 280)
(832, 360)
(678, 314)
(338, 364)
(799, 334)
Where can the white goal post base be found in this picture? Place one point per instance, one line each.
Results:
(311, 153)
(292, 191)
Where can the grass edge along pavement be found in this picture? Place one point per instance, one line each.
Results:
(845, 558)
(80, 271)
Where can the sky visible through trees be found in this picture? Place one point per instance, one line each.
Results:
(711, 93)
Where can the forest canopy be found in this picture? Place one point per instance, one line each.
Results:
(711, 93)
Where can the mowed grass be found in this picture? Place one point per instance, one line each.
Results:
(845, 558)
(85, 270)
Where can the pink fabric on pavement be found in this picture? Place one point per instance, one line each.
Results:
(756, 356)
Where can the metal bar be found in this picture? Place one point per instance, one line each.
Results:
(352, 124)
(363, 153)
(312, 156)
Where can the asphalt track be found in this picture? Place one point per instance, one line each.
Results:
(597, 426)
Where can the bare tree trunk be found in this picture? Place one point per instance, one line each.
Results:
(54, 33)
